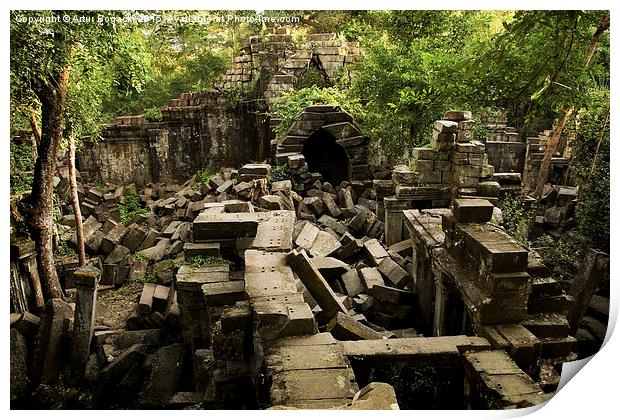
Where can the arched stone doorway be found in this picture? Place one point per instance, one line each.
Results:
(324, 155)
(330, 142)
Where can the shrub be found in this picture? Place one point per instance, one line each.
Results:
(279, 173)
(130, 207)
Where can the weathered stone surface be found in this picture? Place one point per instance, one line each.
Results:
(86, 280)
(275, 231)
(393, 295)
(330, 267)
(212, 226)
(397, 275)
(18, 365)
(371, 277)
(353, 283)
(283, 319)
(118, 255)
(315, 283)
(26, 323)
(146, 298)
(271, 202)
(49, 348)
(496, 382)
(343, 328)
(315, 204)
(204, 249)
(112, 238)
(457, 115)
(467, 210)
(374, 396)
(324, 244)
(224, 293)
(165, 376)
(157, 252)
(114, 371)
(306, 237)
(126, 339)
(375, 251)
(134, 237)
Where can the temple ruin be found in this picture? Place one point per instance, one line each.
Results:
(350, 285)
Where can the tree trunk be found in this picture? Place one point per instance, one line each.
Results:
(545, 166)
(52, 97)
(36, 131)
(75, 201)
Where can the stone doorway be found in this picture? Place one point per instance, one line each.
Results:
(324, 155)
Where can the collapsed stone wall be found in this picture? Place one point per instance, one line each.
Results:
(198, 131)
(207, 129)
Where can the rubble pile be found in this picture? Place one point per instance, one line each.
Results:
(244, 291)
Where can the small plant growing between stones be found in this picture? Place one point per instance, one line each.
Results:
(130, 207)
(197, 262)
(203, 177)
(279, 173)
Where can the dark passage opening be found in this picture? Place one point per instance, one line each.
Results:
(324, 155)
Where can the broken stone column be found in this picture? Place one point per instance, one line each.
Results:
(48, 348)
(394, 227)
(594, 267)
(86, 279)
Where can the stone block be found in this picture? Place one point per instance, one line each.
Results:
(393, 295)
(164, 378)
(19, 382)
(472, 210)
(225, 293)
(445, 126)
(352, 282)
(49, 348)
(118, 255)
(457, 116)
(345, 328)
(112, 238)
(324, 245)
(315, 283)
(371, 277)
(375, 251)
(203, 249)
(281, 319)
(397, 275)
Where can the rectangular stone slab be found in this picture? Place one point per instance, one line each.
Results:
(313, 384)
(472, 210)
(225, 293)
(210, 226)
(276, 232)
(289, 358)
(315, 283)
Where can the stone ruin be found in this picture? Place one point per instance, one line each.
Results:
(211, 129)
(324, 291)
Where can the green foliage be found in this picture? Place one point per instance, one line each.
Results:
(130, 207)
(22, 166)
(288, 106)
(593, 207)
(66, 249)
(203, 177)
(148, 277)
(138, 256)
(517, 217)
(559, 254)
(312, 77)
(278, 173)
(197, 262)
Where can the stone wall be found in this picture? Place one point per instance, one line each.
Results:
(208, 133)
(506, 156)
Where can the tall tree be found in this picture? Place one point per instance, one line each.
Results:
(44, 45)
(567, 110)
